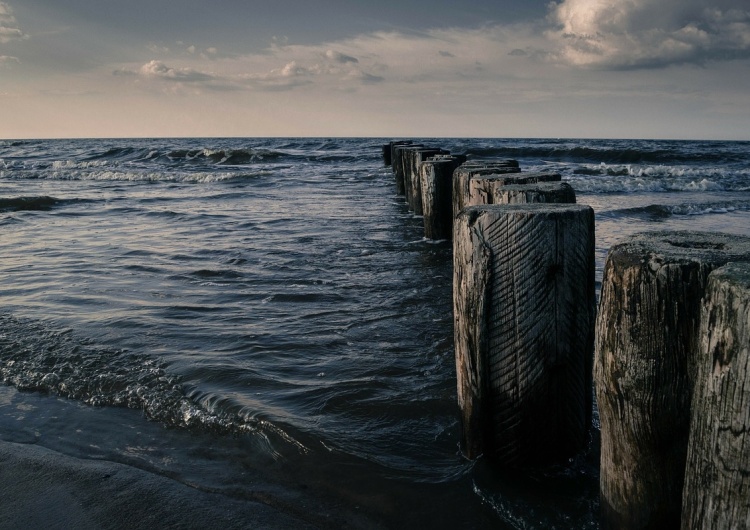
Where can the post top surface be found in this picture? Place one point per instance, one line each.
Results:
(681, 246)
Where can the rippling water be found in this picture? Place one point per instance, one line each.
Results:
(272, 307)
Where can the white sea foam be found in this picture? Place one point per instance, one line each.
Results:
(77, 173)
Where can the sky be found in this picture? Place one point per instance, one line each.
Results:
(410, 68)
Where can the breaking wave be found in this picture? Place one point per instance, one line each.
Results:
(35, 357)
(661, 211)
(617, 152)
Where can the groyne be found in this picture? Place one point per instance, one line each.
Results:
(667, 352)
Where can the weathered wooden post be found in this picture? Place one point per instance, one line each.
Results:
(412, 181)
(644, 367)
(399, 165)
(485, 189)
(524, 307)
(436, 179)
(462, 175)
(394, 145)
(387, 154)
(560, 192)
(717, 477)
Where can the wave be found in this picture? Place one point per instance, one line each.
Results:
(656, 179)
(662, 211)
(87, 173)
(27, 203)
(34, 203)
(36, 357)
(229, 157)
(613, 154)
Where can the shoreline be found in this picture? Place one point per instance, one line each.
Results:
(42, 488)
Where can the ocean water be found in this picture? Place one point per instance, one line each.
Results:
(262, 317)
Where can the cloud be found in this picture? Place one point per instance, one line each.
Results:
(340, 57)
(9, 29)
(157, 49)
(157, 69)
(290, 76)
(649, 33)
(492, 61)
(7, 59)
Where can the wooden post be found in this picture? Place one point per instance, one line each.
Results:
(394, 145)
(463, 174)
(436, 179)
(523, 295)
(488, 162)
(399, 165)
(645, 357)
(717, 477)
(412, 181)
(387, 154)
(489, 189)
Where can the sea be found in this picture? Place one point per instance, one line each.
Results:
(262, 317)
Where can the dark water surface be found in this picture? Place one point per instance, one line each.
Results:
(272, 308)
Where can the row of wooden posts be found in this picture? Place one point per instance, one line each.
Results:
(668, 353)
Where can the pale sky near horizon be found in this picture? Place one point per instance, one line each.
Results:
(423, 68)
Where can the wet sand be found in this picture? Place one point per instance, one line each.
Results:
(40, 488)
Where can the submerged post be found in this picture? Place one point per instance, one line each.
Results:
(524, 304)
(717, 477)
(436, 178)
(646, 351)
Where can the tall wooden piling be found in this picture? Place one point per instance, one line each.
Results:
(524, 305)
(489, 189)
(387, 154)
(717, 477)
(646, 350)
(463, 174)
(436, 179)
(399, 164)
(412, 180)
(394, 145)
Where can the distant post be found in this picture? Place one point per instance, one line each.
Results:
(436, 178)
(463, 174)
(399, 164)
(412, 181)
(560, 192)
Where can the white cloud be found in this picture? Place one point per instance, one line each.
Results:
(157, 49)
(486, 63)
(9, 29)
(649, 33)
(7, 59)
(159, 70)
(340, 57)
